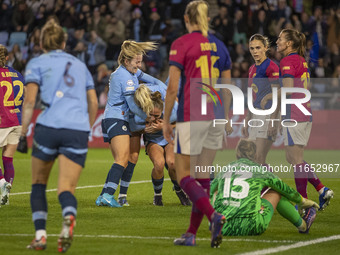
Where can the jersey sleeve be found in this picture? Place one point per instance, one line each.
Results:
(177, 54)
(134, 108)
(226, 65)
(278, 185)
(150, 79)
(89, 80)
(272, 73)
(287, 68)
(32, 72)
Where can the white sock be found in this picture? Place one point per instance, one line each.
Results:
(40, 233)
(321, 190)
(2, 182)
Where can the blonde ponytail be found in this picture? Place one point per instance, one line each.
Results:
(197, 12)
(143, 98)
(130, 49)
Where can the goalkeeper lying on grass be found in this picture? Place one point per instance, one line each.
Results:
(237, 195)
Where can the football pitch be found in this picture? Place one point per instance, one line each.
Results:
(144, 228)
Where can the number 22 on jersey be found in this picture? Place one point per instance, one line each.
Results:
(9, 91)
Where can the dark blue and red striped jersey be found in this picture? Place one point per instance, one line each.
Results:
(203, 58)
(261, 77)
(11, 97)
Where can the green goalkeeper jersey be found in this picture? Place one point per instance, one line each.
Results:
(239, 189)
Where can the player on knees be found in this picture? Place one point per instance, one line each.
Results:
(237, 195)
(116, 131)
(159, 150)
(11, 91)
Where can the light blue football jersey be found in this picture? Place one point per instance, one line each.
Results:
(63, 81)
(137, 123)
(123, 84)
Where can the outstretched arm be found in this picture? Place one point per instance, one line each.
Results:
(171, 94)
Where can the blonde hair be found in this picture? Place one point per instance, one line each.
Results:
(156, 98)
(131, 49)
(52, 36)
(143, 98)
(3, 55)
(197, 12)
(246, 149)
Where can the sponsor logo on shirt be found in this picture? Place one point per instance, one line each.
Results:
(275, 74)
(286, 68)
(132, 88)
(173, 52)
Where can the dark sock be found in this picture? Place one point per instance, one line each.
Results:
(313, 178)
(39, 206)
(126, 178)
(68, 203)
(197, 195)
(157, 185)
(8, 169)
(301, 179)
(176, 185)
(114, 177)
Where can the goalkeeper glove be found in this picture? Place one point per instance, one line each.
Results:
(306, 203)
(22, 146)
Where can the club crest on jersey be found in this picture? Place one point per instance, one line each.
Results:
(130, 86)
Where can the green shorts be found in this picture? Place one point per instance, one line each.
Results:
(255, 225)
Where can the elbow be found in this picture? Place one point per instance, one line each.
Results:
(29, 104)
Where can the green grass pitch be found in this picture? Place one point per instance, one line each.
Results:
(145, 229)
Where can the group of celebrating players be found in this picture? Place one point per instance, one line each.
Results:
(176, 135)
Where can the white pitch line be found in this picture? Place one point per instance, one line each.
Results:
(292, 246)
(156, 237)
(83, 187)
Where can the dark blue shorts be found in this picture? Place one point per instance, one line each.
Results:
(49, 142)
(112, 127)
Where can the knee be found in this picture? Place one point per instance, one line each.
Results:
(133, 158)
(171, 164)
(159, 165)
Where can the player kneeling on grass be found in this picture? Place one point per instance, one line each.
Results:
(237, 195)
(159, 150)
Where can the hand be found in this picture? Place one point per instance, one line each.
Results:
(272, 130)
(228, 128)
(154, 127)
(306, 203)
(168, 133)
(265, 100)
(245, 132)
(22, 146)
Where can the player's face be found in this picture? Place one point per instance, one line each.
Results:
(282, 43)
(258, 51)
(135, 63)
(155, 114)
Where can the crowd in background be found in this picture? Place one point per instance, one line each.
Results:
(97, 28)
